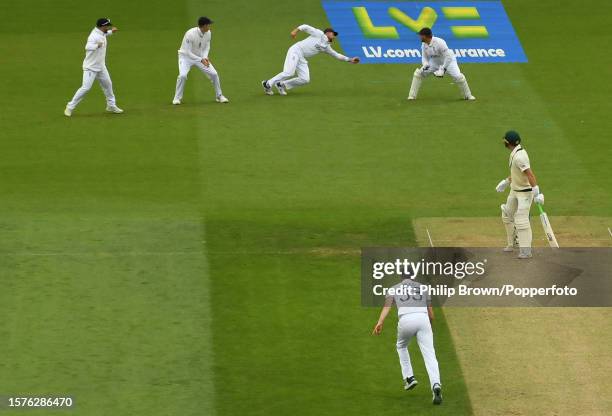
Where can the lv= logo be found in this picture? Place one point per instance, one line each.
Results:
(427, 18)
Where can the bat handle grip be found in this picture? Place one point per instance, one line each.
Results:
(540, 208)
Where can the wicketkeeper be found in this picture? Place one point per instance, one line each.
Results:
(439, 60)
(524, 190)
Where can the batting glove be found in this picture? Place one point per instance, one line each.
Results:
(424, 67)
(440, 72)
(501, 187)
(539, 199)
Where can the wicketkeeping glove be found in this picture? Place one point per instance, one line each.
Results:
(440, 72)
(502, 185)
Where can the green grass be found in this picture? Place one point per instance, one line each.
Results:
(198, 259)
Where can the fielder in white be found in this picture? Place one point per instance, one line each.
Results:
(194, 52)
(438, 60)
(415, 317)
(524, 190)
(295, 71)
(94, 67)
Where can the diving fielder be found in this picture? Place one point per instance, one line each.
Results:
(438, 60)
(94, 67)
(415, 316)
(194, 52)
(296, 63)
(524, 190)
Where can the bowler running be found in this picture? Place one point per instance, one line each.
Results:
(415, 316)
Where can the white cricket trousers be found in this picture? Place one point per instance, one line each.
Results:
(184, 68)
(452, 70)
(409, 325)
(89, 77)
(515, 216)
(295, 64)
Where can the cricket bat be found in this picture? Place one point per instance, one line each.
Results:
(550, 235)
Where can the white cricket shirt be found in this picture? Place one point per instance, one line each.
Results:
(316, 43)
(195, 45)
(436, 53)
(95, 51)
(411, 302)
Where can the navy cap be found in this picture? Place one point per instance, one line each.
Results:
(425, 32)
(512, 137)
(103, 22)
(329, 29)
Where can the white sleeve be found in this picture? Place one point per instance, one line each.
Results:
(207, 46)
(186, 48)
(424, 60)
(446, 53)
(92, 43)
(310, 30)
(330, 51)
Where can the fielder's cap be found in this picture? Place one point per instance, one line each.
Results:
(329, 29)
(425, 32)
(512, 137)
(204, 21)
(103, 22)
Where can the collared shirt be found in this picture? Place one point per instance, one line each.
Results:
(195, 45)
(519, 163)
(315, 43)
(95, 50)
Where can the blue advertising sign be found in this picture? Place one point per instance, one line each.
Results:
(386, 31)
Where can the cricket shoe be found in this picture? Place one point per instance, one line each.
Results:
(410, 383)
(525, 253)
(67, 112)
(113, 109)
(281, 88)
(221, 99)
(437, 394)
(176, 102)
(509, 249)
(470, 98)
(410, 98)
(267, 88)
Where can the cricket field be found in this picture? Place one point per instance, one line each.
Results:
(203, 259)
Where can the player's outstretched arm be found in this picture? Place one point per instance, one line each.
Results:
(383, 315)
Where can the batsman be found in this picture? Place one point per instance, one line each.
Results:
(524, 190)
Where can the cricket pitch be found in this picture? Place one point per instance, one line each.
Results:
(523, 361)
